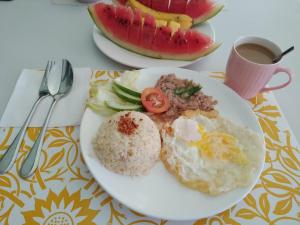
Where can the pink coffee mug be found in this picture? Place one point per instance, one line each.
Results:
(248, 78)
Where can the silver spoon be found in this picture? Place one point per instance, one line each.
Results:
(31, 162)
(11, 153)
(278, 58)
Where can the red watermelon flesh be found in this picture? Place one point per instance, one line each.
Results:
(178, 6)
(197, 8)
(136, 28)
(178, 43)
(122, 2)
(161, 39)
(161, 5)
(123, 21)
(146, 2)
(124, 27)
(107, 14)
(197, 40)
(148, 31)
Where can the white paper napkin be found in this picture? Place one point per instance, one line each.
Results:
(68, 110)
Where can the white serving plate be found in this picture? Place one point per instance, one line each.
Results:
(159, 194)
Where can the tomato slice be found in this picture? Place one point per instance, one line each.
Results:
(154, 100)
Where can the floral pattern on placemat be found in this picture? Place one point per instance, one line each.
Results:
(62, 190)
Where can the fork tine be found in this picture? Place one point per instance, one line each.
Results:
(47, 66)
(51, 63)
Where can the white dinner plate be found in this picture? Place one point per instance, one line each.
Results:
(159, 194)
(122, 55)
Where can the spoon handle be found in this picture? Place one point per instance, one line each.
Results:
(287, 51)
(11, 153)
(32, 160)
(278, 58)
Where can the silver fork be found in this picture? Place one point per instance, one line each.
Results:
(11, 153)
(59, 87)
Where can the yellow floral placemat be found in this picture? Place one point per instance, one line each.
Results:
(63, 192)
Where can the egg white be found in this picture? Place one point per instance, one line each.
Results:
(213, 175)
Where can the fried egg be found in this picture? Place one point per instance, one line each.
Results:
(211, 155)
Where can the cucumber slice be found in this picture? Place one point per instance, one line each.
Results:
(123, 107)
(100, 108)
(126, 89)
(126, 97)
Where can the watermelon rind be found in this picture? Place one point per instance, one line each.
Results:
(149, 52)
(210, 14)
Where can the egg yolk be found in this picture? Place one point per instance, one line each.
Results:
(219, 145)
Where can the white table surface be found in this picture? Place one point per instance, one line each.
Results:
(33, 31)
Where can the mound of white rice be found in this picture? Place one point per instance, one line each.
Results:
(128, 154)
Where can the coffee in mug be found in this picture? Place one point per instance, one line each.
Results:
(250, 67)
(256, 53)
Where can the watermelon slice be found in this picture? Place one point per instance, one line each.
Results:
(196, 40)
(148, 32)
(107, 16)
(161, 39)
(202, 10)
(178, 6)
(160, 5)
(196, 8)
(199, 10)
(146, 2)
(135, 29)
(124, 26)
(123, 20)
(179, 43)
(122, 2)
